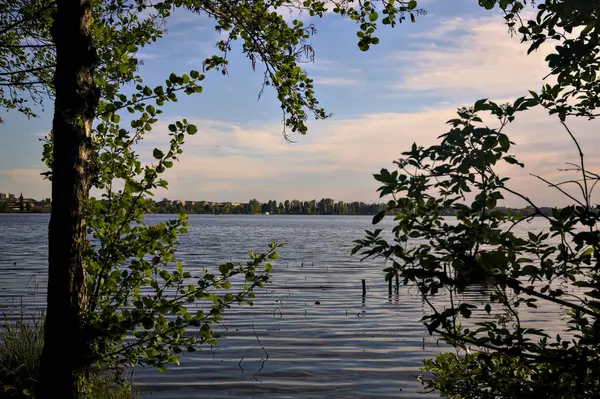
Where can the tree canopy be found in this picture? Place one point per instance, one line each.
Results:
(499, 353)
(120, 299)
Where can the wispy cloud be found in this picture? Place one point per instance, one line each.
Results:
(476, 55)
(143, 55)
(336, 81)
(336, 150)
(410, 95)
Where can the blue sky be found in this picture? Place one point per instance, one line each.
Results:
(401, 91)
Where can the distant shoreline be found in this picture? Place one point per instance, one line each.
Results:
(257, 214)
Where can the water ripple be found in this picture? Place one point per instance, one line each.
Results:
(322, 337)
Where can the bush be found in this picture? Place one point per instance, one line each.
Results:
(21, 345)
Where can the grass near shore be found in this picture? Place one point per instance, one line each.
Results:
(21, 345)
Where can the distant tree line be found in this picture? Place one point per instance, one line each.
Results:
(325, 206)
(27, 207)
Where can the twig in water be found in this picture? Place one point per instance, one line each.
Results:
(36, 285)
(240, 365)
(280, 312)
(264, 350)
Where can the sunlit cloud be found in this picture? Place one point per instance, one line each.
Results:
(478, 56)
(412, 91)
(336, 81)
(357, 148)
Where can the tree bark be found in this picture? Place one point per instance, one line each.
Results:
(65, 346)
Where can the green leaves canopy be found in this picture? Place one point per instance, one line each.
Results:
(504, 356)
(135, 284)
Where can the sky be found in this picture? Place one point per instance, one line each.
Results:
(401, 91)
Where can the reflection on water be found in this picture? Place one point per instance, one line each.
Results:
(311, 334)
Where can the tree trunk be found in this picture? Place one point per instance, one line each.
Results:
(64, 354)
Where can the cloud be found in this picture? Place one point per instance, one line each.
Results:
(326, 65)
(326, 72)
(144, 56)
(461, 59)
(476, 56)
(336, 81)
(228, 161)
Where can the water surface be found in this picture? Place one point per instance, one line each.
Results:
(346, 346)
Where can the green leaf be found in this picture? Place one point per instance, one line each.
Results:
(192, 129)
(164, 274)
(487, 4)
(157, 154)
(225, 268)
(481, 105)
(373, 16)
(504, 142)
(513, 161)
(377, 218)
(148, 323)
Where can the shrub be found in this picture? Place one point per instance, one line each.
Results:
(21, 345)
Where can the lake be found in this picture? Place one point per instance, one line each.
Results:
(346, 346)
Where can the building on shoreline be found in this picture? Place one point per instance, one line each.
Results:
(11, 203)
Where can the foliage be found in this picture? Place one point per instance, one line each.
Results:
(139, 296)
(97, 386)
(465, 376)
(27, 55)
(26, 65)
(549, 270)
(21, 345)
